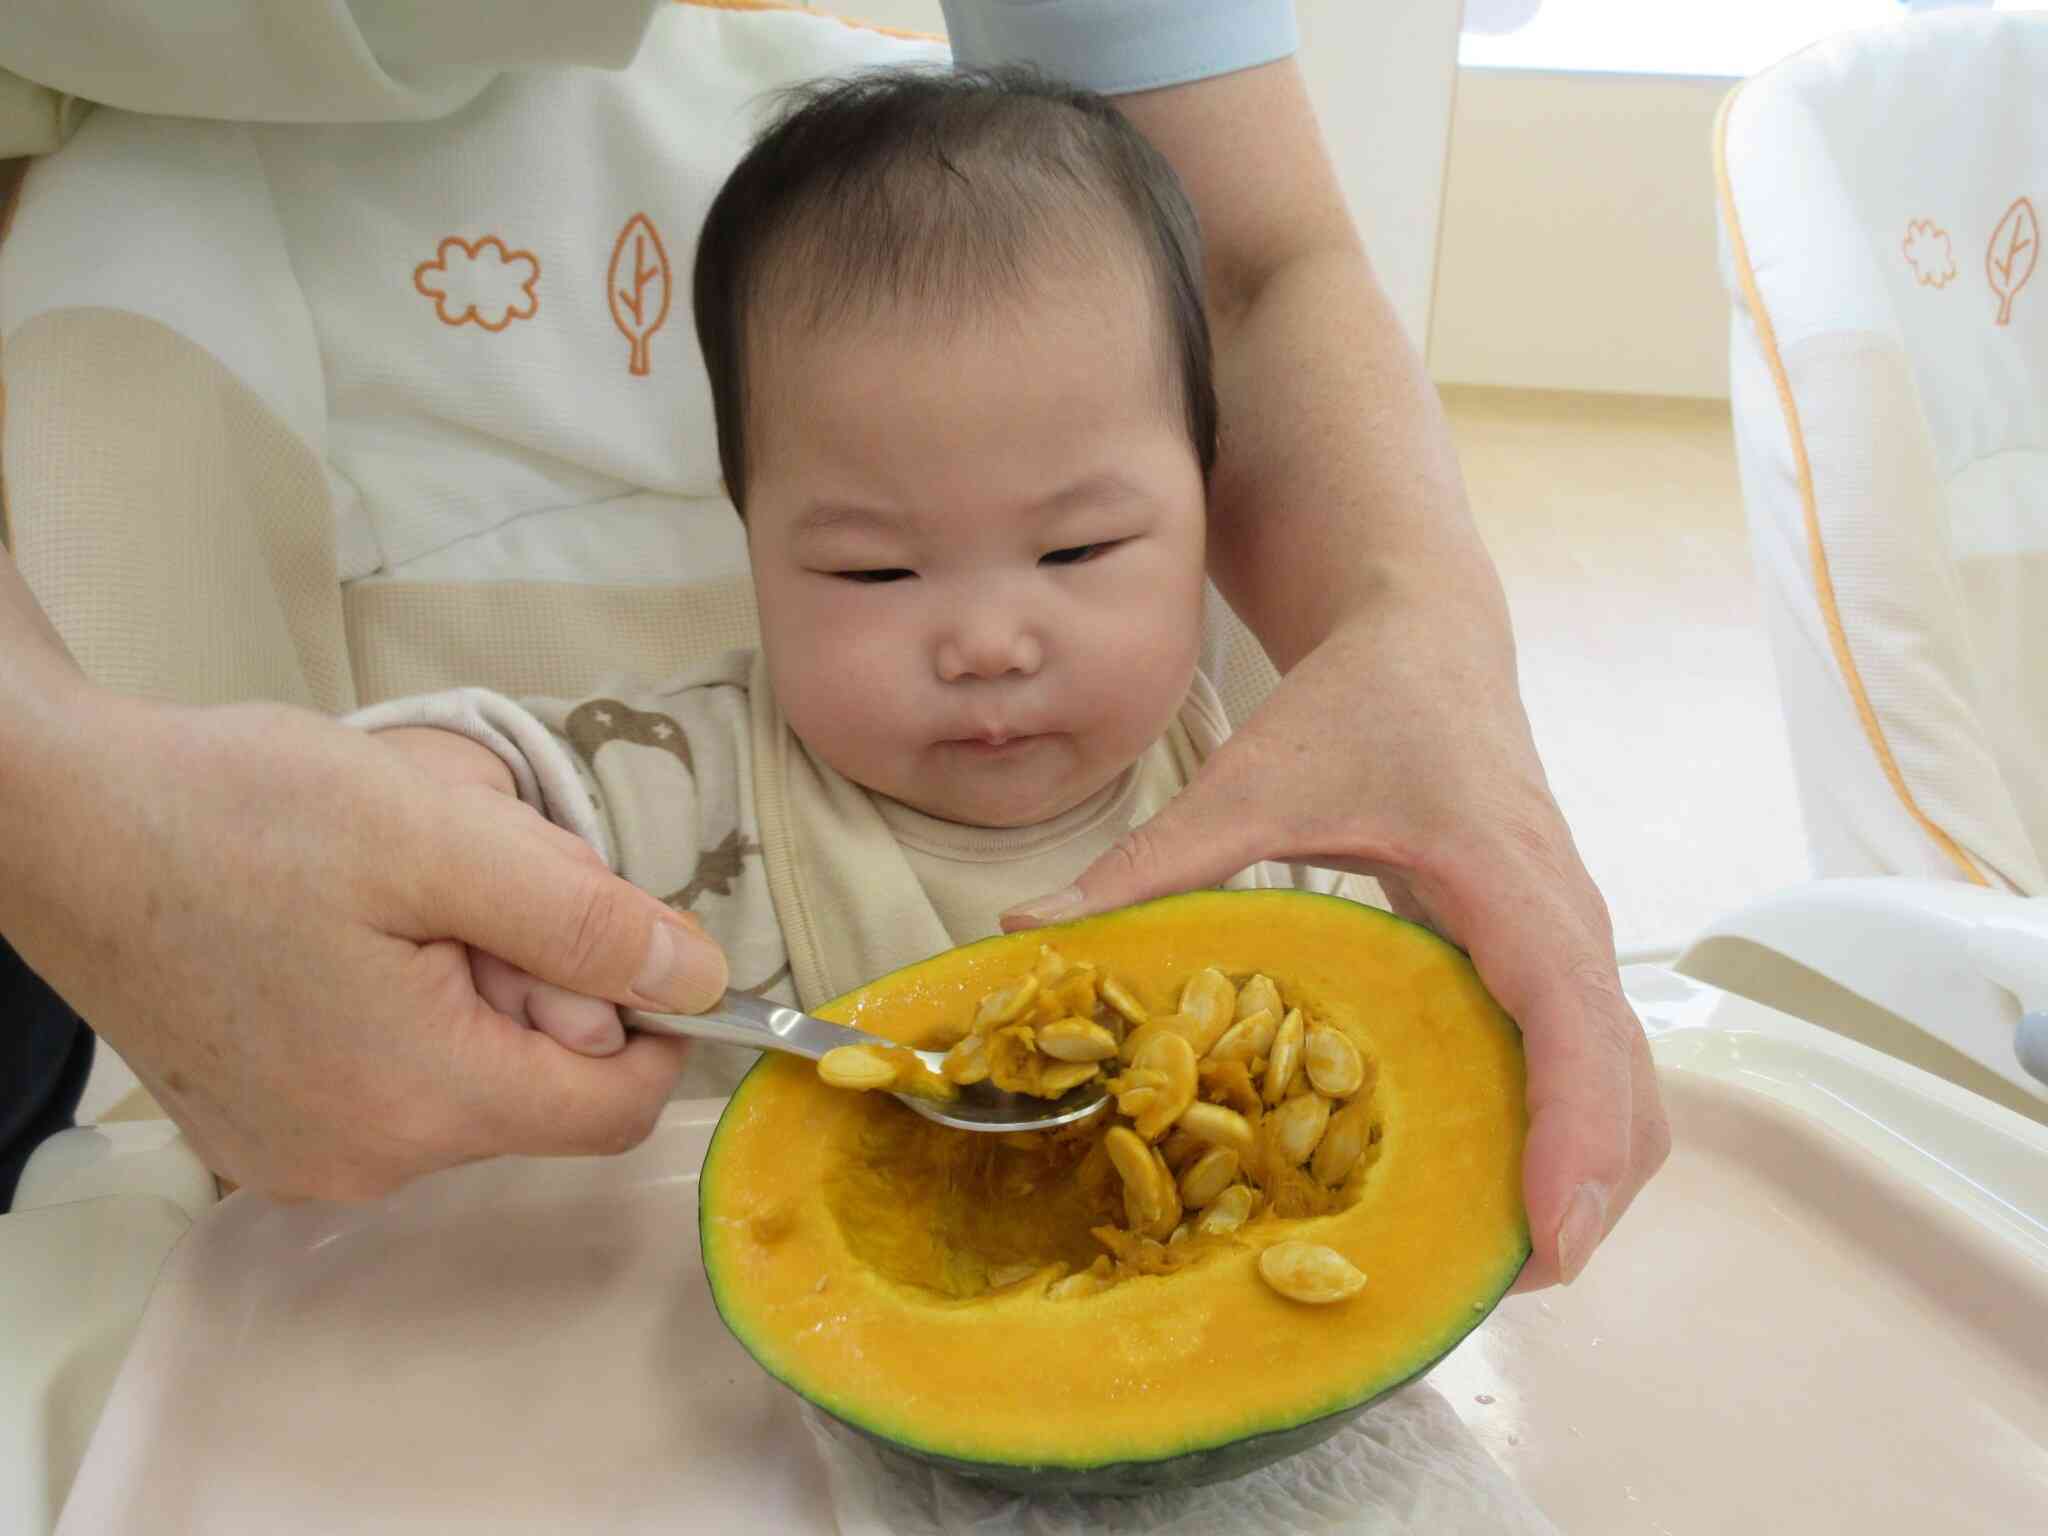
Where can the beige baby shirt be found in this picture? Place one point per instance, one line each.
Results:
(697, 790)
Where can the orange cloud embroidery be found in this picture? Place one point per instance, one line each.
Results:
(1928, 252)
(481, 282)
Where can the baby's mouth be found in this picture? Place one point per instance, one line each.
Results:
(993, 740)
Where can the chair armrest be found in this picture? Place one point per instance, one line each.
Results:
(130, 1157)
(1967, 965)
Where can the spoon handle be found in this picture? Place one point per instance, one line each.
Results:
(740, 1019)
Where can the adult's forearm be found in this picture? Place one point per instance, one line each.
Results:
(1337, 498)
(39, 683)
(1336, 501)
(37, 675)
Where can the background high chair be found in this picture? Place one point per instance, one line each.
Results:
(1880, 199)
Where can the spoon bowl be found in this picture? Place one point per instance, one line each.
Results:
(764, 1026)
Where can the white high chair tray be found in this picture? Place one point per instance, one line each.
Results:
(1825, 1315)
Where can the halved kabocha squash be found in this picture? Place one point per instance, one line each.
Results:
(1191, 1284)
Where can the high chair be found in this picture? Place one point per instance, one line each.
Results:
(1879, 208)
(407, 409)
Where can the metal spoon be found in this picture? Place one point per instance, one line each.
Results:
(743, 1020)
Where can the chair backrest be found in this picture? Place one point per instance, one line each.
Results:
(330, 413)
(289, 407)
(1881, 198)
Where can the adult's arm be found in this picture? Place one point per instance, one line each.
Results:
(1396, 744)
(265, 913)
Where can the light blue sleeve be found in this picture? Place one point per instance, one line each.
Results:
(1115, 46)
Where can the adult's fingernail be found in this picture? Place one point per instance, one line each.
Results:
(683, 972)
(1047, 909)
(1585, 1222)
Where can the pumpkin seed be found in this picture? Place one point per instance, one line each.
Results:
(1005, 1005)
(1171, 1055)
(1249, 1037)
(1335, 1065)
(1296, 1126)
(1208, 1176)
(1073, 1287)
(1286, 1056)
(1219, 1127)
(1209, 1002)
(1230, 1210)
(1054, 1081)
(967, 1062)
(1169, 1218)
(1077, 1039)
(1342, 1144)
(1136, 1090)
(1052, 965)
(1160, 1024)
(1310, 1272)
(1134, 1013)
(1000, 1275)
(1151, 1203)
(1257, 995)
(1013, 1060)
(1180, 1149)
(857, 1067)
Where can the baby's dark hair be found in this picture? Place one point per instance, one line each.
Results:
(940, 188)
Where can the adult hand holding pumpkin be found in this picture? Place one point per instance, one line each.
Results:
(1374, 768)
(1396, 744)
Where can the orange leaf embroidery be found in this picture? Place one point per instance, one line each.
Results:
(640, 285)
(2009, 260)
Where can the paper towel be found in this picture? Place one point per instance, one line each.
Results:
(1407, 1465)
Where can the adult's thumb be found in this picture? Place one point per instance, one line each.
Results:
(567, 920)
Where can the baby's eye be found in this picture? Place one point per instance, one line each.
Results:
(1077, 553)
(873, 578)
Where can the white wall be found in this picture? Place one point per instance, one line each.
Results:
(1579, 245)
(1381, 73)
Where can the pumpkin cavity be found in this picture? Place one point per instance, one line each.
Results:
(1234, 1116)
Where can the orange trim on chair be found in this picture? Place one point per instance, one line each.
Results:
(845, 21)
(1823, 581)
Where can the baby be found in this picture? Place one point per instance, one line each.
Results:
(961, 372)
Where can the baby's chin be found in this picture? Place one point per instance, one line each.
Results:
(1000, 811)
(974, 801)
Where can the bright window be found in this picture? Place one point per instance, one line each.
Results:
(1731, 38)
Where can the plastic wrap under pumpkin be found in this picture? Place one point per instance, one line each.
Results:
(980, 1302)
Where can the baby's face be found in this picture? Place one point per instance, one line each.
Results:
(978, 549)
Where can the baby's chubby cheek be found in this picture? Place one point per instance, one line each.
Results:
(846, 705)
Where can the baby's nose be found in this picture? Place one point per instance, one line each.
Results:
(989, 650)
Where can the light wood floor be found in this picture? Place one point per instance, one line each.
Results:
(1617, 526)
